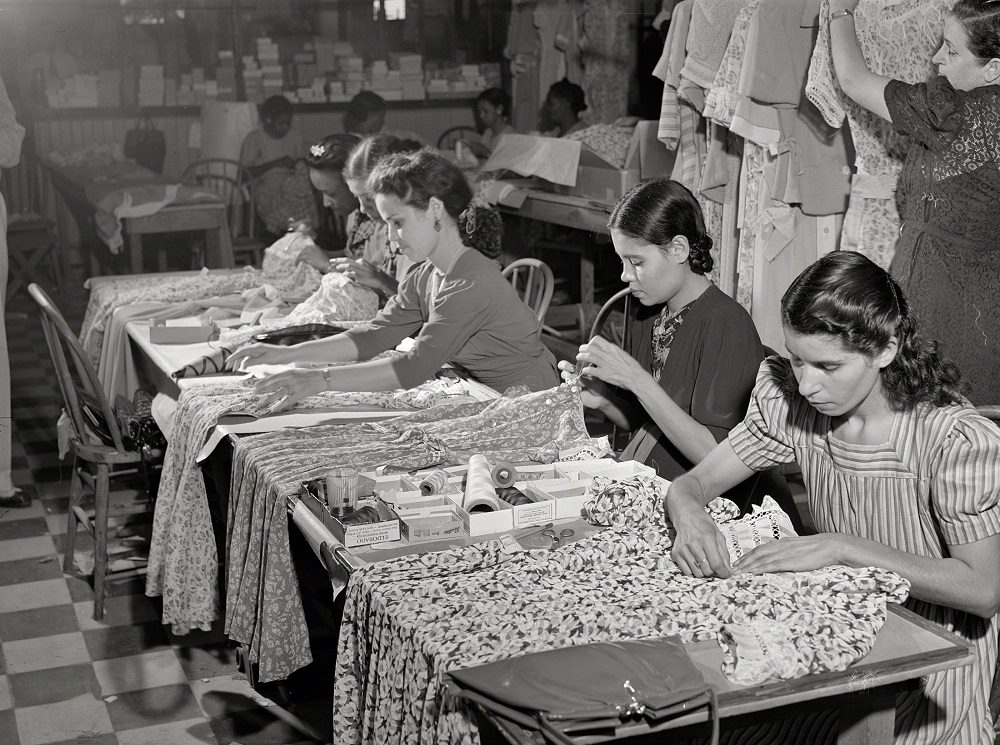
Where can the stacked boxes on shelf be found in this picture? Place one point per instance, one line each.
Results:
(225, 76)
(79, 91)
(272, 79)
(461, 81)
(151, 85)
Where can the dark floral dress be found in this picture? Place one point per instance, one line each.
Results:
(948, 256)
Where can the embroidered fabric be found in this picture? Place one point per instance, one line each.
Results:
(183, 564)
(607, 140)
(407, 620)
(898, 38)
(263, 607)
(664, 328)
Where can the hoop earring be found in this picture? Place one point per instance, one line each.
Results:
(437, 224)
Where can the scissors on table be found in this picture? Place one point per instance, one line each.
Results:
(558, 538)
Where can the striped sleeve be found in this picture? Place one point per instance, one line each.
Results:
(966, 483)
(762, 439)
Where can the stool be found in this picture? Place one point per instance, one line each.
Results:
(31, 239)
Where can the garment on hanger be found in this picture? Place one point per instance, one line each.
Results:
(668, 69)
(604, 59)
(557, 27)
(711, 25)
(898, 38)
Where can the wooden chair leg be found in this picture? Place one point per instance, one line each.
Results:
(75, 498)
(101, 499)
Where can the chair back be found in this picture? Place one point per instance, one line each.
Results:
(446, 142)
(230, 181)
(533, 282)
(623, 298)
(84, 398)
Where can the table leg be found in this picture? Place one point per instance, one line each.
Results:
(219, 246)
(135, 252)
(868, 718)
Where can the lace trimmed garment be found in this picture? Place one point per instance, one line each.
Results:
(409, 620)
(934, 483)
(183, 565)
(948, 255)
(898, 38)
(263, 607)
(108, 293)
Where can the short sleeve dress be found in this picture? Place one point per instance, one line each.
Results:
(705, 359)
(934, 483)
(948, 256)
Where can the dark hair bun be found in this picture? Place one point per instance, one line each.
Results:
(700, 255)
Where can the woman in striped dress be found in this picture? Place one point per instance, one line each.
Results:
(901, 472)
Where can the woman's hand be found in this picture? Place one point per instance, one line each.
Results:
(369, 275)
(593, 393)
(314, 257)
(699, 549)
(794, 554)
(290, 385)
(260, 354)
(603, 360)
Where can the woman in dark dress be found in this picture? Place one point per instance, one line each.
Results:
(685, 379)
(947, 258)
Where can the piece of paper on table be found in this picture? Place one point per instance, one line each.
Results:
(553, 159)
(185, 322)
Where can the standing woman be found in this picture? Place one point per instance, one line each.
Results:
(693, 351)
(456, 304)
(947, 258)
(900, 471)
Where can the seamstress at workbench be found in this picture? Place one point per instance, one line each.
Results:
(457, 303)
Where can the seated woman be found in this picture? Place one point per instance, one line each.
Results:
(900, 470)
(693, 351)
(492, 112)
(368, 258)
(456, 304)
(326, 160)
(273, 155)
(365, 114)
(560, 114)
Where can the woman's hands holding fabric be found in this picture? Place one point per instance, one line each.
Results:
(603, 360)
(369, 275)
(593, 393)
(699, 548)
(794, 554)
(260, 354)
(290, 385)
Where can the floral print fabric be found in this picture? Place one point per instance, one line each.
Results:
(898, 39)
(409, 620)
(664, 328)
(183, 565)
(263, 608)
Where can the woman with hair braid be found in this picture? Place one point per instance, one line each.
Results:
(901, 473)
(685, 378)
(947, 257)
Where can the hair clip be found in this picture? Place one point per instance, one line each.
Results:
(317, 151)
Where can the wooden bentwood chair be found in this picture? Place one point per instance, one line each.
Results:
(99, 453)
(533, 282)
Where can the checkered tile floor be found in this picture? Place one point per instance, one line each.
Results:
(65, 678)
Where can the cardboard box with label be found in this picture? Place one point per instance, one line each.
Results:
(570, 167)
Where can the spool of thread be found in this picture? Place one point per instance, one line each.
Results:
(434, 482)
(486, 503)
(503, 475)
(514, 497)
(479, 484)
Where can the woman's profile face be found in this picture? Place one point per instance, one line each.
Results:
(653, 275)
(488, 114)
(955, 61)
(334, 189)
(411, 230)
(831, 377)
(365, 202)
